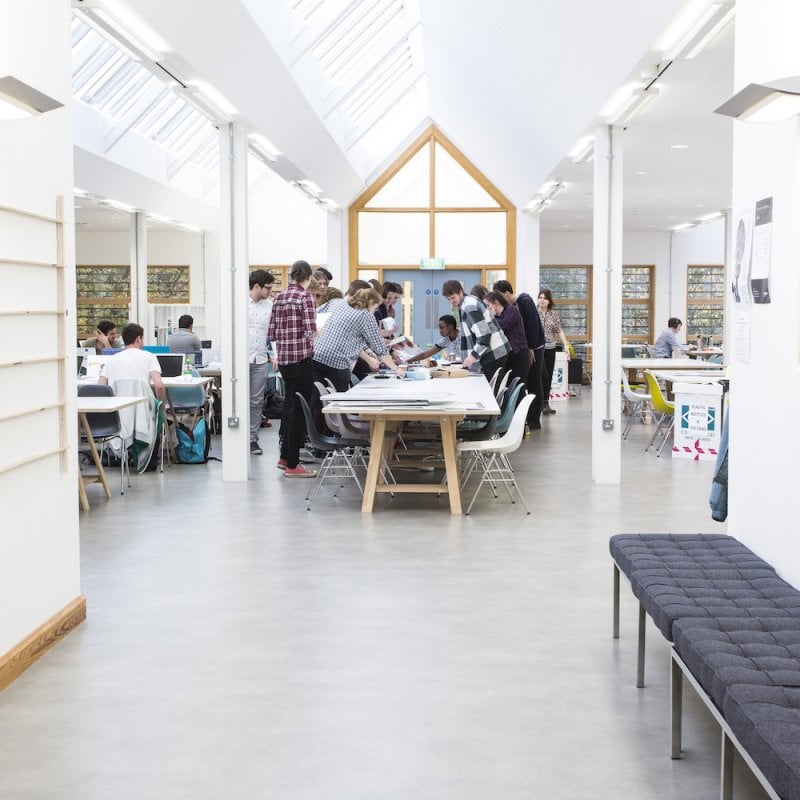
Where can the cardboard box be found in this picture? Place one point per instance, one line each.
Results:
(450, 372)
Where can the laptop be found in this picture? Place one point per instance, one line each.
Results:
(171, 364)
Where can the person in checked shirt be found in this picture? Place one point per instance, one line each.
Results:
(292, 329)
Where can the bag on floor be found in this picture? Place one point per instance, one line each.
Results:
(273, 406)
(193, 446)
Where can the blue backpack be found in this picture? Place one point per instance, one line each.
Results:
(193, 446)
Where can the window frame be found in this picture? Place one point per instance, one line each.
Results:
(706, 300)
(573, 301)
(649, 302)
(112, 301)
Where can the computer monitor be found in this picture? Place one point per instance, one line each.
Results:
(111, 351)
(171, 364)
(79, 359)
(205, 344)
(197, 355)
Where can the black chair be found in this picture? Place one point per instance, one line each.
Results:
(338, 462)
(106, 427)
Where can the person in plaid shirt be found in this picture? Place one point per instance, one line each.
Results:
(483, 337)
(292, 328)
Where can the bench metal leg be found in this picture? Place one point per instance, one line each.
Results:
(676, 708)
(726, 773)
(640, 651)
(616, 602)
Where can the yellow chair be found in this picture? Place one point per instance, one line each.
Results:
(663, 407)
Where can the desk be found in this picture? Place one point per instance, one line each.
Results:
(388, 403)
(98, 405)
(634, 365)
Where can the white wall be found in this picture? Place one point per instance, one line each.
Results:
(39, 548)
(764, 439)
(284, 225)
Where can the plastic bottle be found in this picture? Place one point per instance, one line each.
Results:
(187, 367)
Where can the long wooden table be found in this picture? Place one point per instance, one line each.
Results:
(387, 404)
(634, 365)
(98, 405)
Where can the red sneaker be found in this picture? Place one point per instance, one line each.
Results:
(299, 472)
(281, 463)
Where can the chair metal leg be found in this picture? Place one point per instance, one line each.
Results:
(640, 648)
(668, 431)
(676, 708)
(636, 410)
(615, 619)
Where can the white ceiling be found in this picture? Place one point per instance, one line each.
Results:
(514, 84)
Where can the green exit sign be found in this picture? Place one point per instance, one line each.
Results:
(431, 263)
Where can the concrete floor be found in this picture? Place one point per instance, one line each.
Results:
(238, 646)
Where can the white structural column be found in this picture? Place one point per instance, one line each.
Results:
(528, 261)
(607, 304)
(338, 262)
(764, 438)
(234, 285)
(139, 271)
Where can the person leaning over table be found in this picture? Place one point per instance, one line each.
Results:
(350, 330)
(553, 332)
(133, 363)
(450, 339)
(105, 337)
(292, 327)
(511, 322)
(483, 337)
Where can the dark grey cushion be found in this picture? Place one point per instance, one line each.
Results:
(766, 721)
(724, 652)
(703, 551)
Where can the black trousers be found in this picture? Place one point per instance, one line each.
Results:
(340, 378)
(489, 368)
(519, 365)
(535, 388)
(299, 378)
(547, 374)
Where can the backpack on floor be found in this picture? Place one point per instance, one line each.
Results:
(273, 405)
(193, 446)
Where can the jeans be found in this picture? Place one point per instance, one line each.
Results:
(547, 374)
(298, 378)
(258, 383)
(535, 378)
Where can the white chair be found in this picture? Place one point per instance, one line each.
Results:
(501, 387)
(492, 455)
(639, 402)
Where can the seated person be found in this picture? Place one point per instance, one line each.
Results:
(105, 337)
(184, 340)
(133, 363)
(668, 339)
(450, 340)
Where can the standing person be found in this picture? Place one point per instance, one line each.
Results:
(668, 339)
(351, 329)
(483, 337)
(553, 333)
(292, 328)
(321, 278)
(511, 322)
(391, 293)
(259, 311)
(184, 340)
(105, 337)
(534, 333)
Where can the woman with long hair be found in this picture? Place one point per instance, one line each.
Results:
(553, 335)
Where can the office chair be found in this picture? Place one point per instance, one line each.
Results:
(638, 400)
(106, 428)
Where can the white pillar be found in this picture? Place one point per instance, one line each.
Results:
(528, 260)
(764, 439)
(234, 286)
(337, 248)
(607, 304)
(138, 242)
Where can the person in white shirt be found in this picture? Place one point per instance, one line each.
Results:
(259, 311)
(133, 363)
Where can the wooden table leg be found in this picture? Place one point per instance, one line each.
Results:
(101, 473)
(448, 426)
(82, 493)
(374, 468)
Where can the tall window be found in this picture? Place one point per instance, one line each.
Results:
(168, 284)
(432, 203)
(571, 286)
(705, 300)
(637, 303)
(104, 292)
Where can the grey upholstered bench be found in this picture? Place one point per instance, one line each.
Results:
(694, 575)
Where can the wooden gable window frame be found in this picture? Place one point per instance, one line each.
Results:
(704, 300)
(433, 136)
(649, 302)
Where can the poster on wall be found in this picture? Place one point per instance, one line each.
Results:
(742, 299)
(762, 251)
(698, 409)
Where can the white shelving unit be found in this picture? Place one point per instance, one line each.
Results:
(162, 320)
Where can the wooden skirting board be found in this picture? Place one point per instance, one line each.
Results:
(19, 658)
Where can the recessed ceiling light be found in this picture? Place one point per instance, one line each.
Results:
(566, 226)
(641, 172)
(698, 205)
(672, 217)
(678, 146)
(578, 216)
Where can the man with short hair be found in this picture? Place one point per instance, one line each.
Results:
(534, 333)
(105, 337)
(184, 340)
(259, 311)
(483, 337)
(668, 339)
(133, 363)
